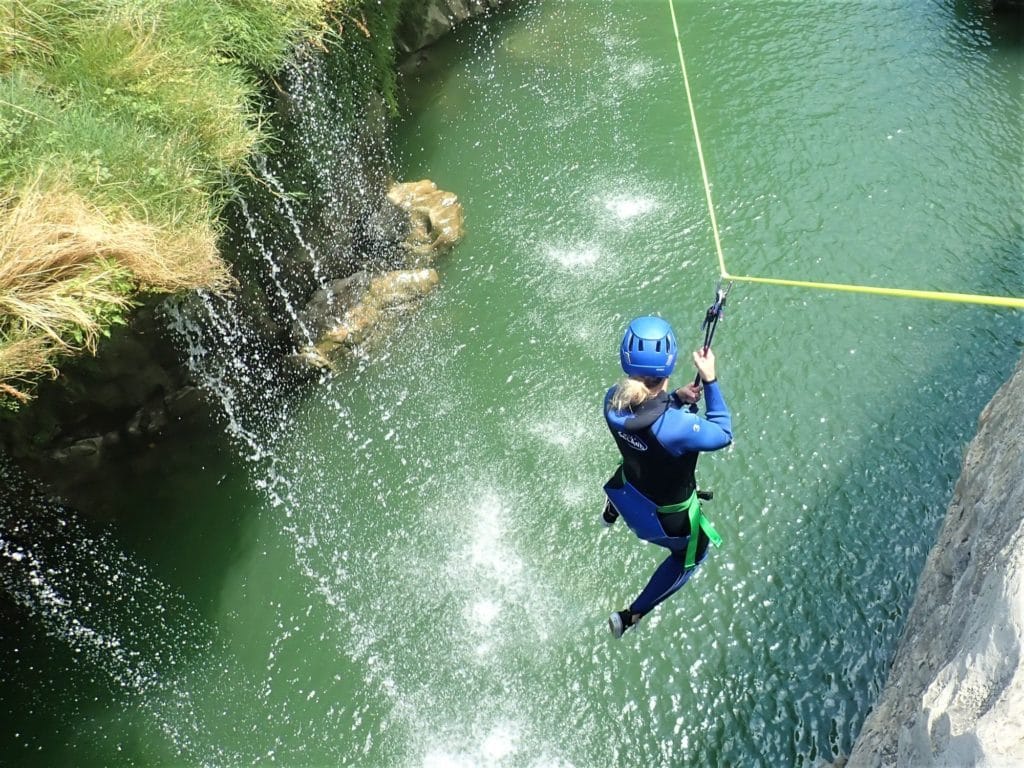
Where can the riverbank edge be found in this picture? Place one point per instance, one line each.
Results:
(126, 130)
(955, 691)
(133, 391)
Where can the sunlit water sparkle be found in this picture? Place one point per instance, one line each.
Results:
(418, 576)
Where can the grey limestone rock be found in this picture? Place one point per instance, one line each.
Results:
(955, 693)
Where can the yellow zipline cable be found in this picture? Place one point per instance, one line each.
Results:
(963, 298)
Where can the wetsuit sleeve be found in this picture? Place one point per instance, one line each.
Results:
(680, 431)
(715, 409)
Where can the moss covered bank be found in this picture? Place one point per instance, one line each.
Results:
(128, 138)
(125, 128)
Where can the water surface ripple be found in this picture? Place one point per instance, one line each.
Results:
(412, 572)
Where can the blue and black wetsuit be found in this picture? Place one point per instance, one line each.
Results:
(660, 441)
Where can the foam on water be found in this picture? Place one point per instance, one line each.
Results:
(488, 591)
(626, 208)
(574, 257)
(500, 746)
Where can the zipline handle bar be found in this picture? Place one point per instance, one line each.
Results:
(712, 316)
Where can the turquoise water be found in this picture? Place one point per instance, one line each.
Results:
(409, 571)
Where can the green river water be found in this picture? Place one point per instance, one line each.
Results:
(406, 567)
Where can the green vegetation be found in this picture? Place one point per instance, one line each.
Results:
(122, 126)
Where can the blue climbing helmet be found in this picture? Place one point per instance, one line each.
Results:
(648, 348)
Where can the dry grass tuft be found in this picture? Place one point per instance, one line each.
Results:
(21, 361)
(50, 235)
(67, 273)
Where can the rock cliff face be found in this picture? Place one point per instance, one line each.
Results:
(437, 18)
(955, 693)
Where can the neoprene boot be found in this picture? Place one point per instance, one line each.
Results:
(609, 514)
(619, 622)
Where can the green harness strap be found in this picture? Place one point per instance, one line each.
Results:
(697, 522)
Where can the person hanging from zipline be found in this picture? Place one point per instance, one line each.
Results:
(660, 436)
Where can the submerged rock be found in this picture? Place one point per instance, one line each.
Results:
(81, 456)
(388, 291)
(348, 311)
(327, 305)
(435, 219)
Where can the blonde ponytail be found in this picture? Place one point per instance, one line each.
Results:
(633, 391)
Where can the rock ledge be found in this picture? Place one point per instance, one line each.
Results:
(955, 693)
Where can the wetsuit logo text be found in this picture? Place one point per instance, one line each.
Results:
(634, 441)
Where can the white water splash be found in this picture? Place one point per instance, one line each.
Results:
(79, 588)
(574, 257)
(625, 208)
